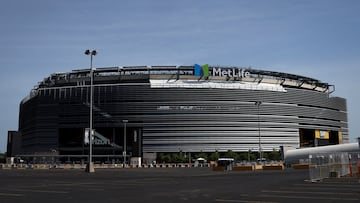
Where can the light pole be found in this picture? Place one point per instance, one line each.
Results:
(249, 151)
(124, 150)
(90, 165)
(258, 103)
(189, 158)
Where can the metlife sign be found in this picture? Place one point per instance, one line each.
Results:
(231, 72)
(221, 72)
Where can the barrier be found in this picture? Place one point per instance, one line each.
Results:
(301, 166)
(100, 166)
(273, 167)
(6, 166)
(21, 166)
(40, 166)
(68, 166)
(244, 168)
(334, 165)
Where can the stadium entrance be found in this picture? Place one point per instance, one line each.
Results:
(107, 141)
(315, 137)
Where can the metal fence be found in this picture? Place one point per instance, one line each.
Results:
(334, 165)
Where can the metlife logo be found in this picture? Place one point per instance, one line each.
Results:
(203, 71)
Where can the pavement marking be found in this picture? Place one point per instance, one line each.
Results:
(144, 180)
(307, 192)
(41, 191)
(305, 197)
(342, 182)
(241, 201)
(319, 188)
(67, 184)
(328, 185)
(73, 184)
(11, 194)
(95, 189)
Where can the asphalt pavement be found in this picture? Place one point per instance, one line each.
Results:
(170, 185)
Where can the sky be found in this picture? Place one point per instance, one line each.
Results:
(314, 38)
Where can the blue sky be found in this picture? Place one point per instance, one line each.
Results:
(319, 39)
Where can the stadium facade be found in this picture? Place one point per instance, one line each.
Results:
(178, 108)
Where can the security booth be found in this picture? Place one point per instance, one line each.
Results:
(227, 163)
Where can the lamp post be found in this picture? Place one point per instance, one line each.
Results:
(124, 150)
(258, 103)
(189, 158)
(249, 151)
(90, 165)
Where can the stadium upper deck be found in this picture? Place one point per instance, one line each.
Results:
(177, 73)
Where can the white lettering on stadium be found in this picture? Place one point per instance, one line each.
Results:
(231, 72)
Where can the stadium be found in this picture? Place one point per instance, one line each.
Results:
(153, 109)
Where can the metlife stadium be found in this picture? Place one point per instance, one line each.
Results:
(178, 108)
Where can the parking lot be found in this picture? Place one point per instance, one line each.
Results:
(170, 185)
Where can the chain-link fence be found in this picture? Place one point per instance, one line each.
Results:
(334, 165)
